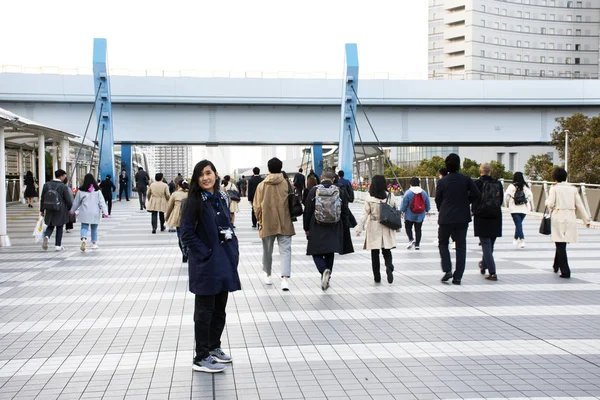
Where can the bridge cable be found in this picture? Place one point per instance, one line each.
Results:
(100, 152)
(96, 140)
(362, 145)
(354, 153)
(86, 130)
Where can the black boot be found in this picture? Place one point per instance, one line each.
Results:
(376, 274)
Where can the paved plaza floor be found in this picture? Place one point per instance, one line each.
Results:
(116, 322)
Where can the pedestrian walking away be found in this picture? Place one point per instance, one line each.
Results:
(206, 231)
(123, 185)
(142, 180)
(271, 207)
(565, 206)
(252, 185)
(347, 185)
(158, 198)
(56, 200)
(378, 238)
(173, 215)
(299, 183)
(415, 206)
(519, 200)
(242, 184)
(453, 196)
(226, 186)
(108, 187)
(325, 210)
(31, 190)
(487, 210)
(91, 206)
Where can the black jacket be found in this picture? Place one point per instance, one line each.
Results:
(107, 188)
(324, 239)
(142, 180)
(60, 217)
(453, 195)
(488, 227)
(252, 185)
(299, 181)
(123, 180)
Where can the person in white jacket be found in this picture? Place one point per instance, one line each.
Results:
(90, 203)
(519, 200)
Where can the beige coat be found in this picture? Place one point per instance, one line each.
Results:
(233, 205)
(158, 196)
(378, 236)
(565, 205)
(271, 207)
(173, 214)
(518, 208)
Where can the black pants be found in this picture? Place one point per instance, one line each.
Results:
(561, 261)
(181, 245)
(156, 214)
(408, 225)
(209, 322)
(142, 198)
(123, 189)
(487, 245)
(375, 262)
(108, 200)
(59, 233)
(324, 261)
(459, 233)
(254, 220)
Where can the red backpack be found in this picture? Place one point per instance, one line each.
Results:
(417, 206)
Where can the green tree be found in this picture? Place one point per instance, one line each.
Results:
(470, 168)
(499, 171)
(584, 146)
(539, 167)
(400, 172)
(429, 167)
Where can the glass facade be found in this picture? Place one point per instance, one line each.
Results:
(410, 156)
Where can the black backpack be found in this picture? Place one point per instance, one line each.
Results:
(519, 196)
(490, 200)
(52, 199)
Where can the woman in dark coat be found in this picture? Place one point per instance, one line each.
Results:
(30, 189)
(213, 256)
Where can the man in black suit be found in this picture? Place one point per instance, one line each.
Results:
(453, 196)
(252, 185)
(299, 183)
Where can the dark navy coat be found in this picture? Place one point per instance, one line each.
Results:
(212, 265)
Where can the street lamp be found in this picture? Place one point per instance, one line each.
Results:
(566, 150)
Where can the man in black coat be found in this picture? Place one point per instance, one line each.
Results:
(55, 202)
(325, 240)
(488, 219)
(123, 181)
(142, 180)
(108, 187)
(241, 184)
(299, 183)
(453, 195)
(252, 185)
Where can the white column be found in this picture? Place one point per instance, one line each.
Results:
(21, 172)
(64, 154)
(4, 240)
(41, 162)
(54, 156)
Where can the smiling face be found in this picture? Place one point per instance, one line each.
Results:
(207, 179)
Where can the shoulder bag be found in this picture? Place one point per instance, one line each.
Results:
(546, 224)
(389, 216)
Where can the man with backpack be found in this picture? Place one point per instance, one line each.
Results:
(415, 206)
(347, 185)
(488, 218)
(453, 195)
(55, 202)
(325, 214)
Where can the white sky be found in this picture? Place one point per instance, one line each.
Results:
(219, 35)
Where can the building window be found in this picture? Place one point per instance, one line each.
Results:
(482, 68)
(519, 28)
(527, 15)
(568, 60)
(527, 29)
(496, 26)
(568, 46)
(500, 158)
(482, 53)
(577, 47)
(496, 55)
(504, 11)
(543, 31)
(526, 72)
(569, 18)
(496, 41)
(551, 46)
(542, 59)
(569, 4)
(542, 73)
(552, 17)
(543, 16)
(518, 57)
(552, 31)
(526, 44)
(483, 22)
(503, 27)
(526, 58)
(569, 32)
(495, 70)
(519, 14)
(497, 10)
(503, 56)
(578, 18)
(542, 45)
(577, 32)
(518, 43)
(503, 70)
(580, 4)
(551, 59)
(577, 74)
(550, 73)
(503, 42)
(482, 8)
(512, 158)
(518, 71)
(482, 39)
(577, 60)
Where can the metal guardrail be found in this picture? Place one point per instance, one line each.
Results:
(13, 191)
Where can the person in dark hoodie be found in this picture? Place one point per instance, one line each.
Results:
(108, 187)
(252, 185)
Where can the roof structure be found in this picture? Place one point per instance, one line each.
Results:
(22, 132)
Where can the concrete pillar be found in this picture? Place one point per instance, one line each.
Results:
(55, 156)
(4, 240)
(21, 172)
(64, 154)
(41, 162)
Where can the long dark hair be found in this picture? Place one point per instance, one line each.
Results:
(88, 181)
(29, 173)
(519, 180)
(226, 180)
(378, 187)
(195, 203)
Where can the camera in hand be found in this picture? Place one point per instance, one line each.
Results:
(225, 234)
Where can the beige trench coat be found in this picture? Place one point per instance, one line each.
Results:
(233, 205)
(565, 206)
(173, 214)
(158, 196)
(378, 236)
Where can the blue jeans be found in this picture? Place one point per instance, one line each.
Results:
(518, 219)
(488, 262)
(84, 231)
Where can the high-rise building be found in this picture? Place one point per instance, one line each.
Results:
(514, 39)
(173, 160)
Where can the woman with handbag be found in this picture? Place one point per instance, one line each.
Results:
(564, 205)
(91, 206)
(519, 200)
(173, 214)
(378, 237)
(234, 196)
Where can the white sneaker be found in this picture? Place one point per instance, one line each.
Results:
(94, 246)
(59, 248)
(285, 286)
(268, 280)
(83, 243)
(515, 242)
(522, 244)
(410, 244)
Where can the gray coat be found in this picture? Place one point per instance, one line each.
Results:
(60, 217)
(91, 206)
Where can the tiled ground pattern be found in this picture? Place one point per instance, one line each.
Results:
(117, 322)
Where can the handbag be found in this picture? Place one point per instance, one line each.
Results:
(233, 195)
(389, 216)
(294, 203)
(546, 224)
